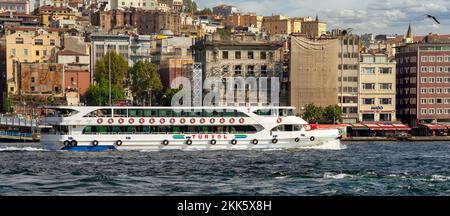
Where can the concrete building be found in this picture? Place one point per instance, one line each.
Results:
(171, 47)
(144, 4)
(278, 24)
(377, 88)
(244, 20)
(246, 56)
(53, 13)
(313, 72)
(18, 6)
(225, 10)
(348, 76)
(25, 44)
(172, 68)
(313, 28)
(18, 19)
(423, 82)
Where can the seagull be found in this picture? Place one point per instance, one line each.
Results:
(434, 18)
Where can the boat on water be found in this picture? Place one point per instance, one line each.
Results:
(184, 128)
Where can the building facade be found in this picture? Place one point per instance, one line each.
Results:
(423, 82)
(377, 88)
(19, 6)
(41, 79)
(225, 10)
(313, 28)
(313, 72)
(348, 77)
(245, 56)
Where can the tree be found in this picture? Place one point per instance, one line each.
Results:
(145, 82)
(332, 114)
(205, 11)
(119, 69)
(98, 94)
(7, 105)
(312, 113)
(167, 99)
(192, 7)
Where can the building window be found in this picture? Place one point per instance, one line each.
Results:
(368, 117)
(368, 86)
(32, 88)
(430, 100)
(13, 52)
(263, 70)
(44, 52)
(439, 90)
(385, 117)
(32, 79)
(52, 68)
(25, 52)
(431, 91)
(263, 55)
(431, 80)
(224, 54)
(431, 59)
(37, 52)
(385, 101)
(367, 71)
(439, 59)
(38, 42)
(224, 69)
(250, 55)
(423, 80)
(251, 69)
(439, 101)
(385, 70)
(423, 111)
(19, 40)
(431, 111)
(439, 79)
(423, 90)
(424, 59)
(52, 42)
(237, 69)
(237, 55)
(368, 101)
(424, 69)
(123, 3)
(440, 69)
(386, 86)
(423, 101)
(431, 69)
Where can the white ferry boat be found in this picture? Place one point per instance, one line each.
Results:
(168, 128)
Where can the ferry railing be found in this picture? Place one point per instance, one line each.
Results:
(15, 134)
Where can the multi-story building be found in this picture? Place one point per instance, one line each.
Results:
(172, 68)
(225, 10)
(313, 28)
(140, 49)
(278, 24)
(348, 76)
(19, 6)
(26, 44)
(245, 56)
(144, 4)
(41, 79)
(52, 13)
(377, 88)
(244, 20)
(423, 82)
(313, 72)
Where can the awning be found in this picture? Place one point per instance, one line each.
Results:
(358, 127)
(435, 126)
(388, 127)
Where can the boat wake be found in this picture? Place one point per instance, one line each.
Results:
(30, 149)
(331, 145)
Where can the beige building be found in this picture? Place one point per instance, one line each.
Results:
(313, 28)
(279, 24)
(313, 72)
(377, 88)
(27, 44)
(244, 20)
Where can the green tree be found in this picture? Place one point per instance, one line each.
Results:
(98, 94)
(167, 98)
(192, 7)
(7, 105)
(205, 11)
(312, 113)
(119, 69)
(332, 114)
(145, 82)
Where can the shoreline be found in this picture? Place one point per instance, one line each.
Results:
(393, 139)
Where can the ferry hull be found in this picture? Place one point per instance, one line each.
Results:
(156, 142)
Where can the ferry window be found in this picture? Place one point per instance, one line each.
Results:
(297, 127)
(120, 113)
(146, 129)
(115, 130)
(147, 113)
(101, 129)
(291, 112)
(131, 129)
(87, 130)
(288, 128)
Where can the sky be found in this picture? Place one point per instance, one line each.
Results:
(363, 16)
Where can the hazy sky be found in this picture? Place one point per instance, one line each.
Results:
(364, 16)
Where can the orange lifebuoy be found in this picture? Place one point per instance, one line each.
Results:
(202, 120)
(162, 121)
(131, 121)
(172, 121)
(241, 120)
(182, 121)
(152, 121)
(100, 120)
(192, 121)
(279, 120)
(232, 120)
(222, 120)
(110, 121)
(212, 121)
(142, 120)
(121, 120)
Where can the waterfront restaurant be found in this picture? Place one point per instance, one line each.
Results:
(433, 130)
(378, 129)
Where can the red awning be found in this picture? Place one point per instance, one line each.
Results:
(388, 127)
(435, 126)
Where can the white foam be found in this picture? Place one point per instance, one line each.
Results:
(22, 149)
(331, 145)
(328, 175)
(440, 178)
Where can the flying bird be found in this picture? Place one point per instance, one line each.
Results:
(434, 18)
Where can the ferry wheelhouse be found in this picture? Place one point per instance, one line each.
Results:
(169, 128)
